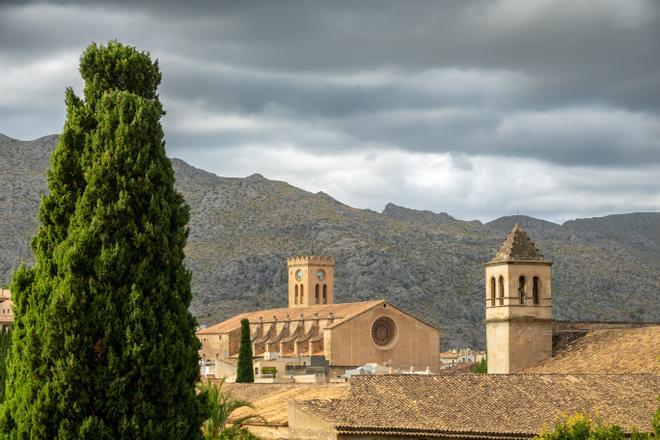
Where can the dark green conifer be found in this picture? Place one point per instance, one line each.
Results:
(104, 345)
(5, 343)
(244, 369)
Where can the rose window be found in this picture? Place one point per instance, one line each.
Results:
(383, 331)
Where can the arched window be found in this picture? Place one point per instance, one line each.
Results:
(316, 293)
(501, 290)
(296, 294)
(302, 294)
(536, 290)
(521, 289)
(492, 291)
(325, 294)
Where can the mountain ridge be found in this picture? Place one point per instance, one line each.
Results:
(430, 264)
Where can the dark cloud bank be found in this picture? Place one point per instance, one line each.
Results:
(477, 108)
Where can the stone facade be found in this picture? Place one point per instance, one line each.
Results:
(6, 310)
(384, 335)
(311, 280)
(314, 331)
(518, 306)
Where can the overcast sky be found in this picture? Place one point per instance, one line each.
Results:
(476, 108)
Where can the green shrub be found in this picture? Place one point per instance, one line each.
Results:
(269, 370)
(481, 367)
(581, 427)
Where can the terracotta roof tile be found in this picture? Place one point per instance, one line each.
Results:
(271, 400)
(625, 350)
(502, 404)
(340, 312)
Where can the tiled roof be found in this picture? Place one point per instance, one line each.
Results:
(624, 350)
(518, 404)
(517, 247)
(339, 312)
(271, 400)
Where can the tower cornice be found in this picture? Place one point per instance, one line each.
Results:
(520, 262)
(316, 260)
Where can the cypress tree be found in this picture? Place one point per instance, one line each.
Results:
(104, 345)
(31, 287)
(5, 343)
(244, 369)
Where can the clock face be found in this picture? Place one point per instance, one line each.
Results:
(299, 275)
(320, 275)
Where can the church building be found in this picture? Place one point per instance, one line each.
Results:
(523, 337)
(316, 334)
(518, 305)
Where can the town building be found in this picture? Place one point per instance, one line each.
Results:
(314, 336)
(605, 370)
(473, 406)
(456, 357)
(603, 348)
(6, 310)
(611, 373)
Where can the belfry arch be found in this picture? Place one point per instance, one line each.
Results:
(536, 290)
(493, 293)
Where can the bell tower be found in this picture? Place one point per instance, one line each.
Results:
(518, 305)
(311, 280)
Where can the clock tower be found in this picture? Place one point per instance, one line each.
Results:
(310, 280)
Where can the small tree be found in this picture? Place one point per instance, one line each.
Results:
(244, 370)
(481, 367)
(221, 405)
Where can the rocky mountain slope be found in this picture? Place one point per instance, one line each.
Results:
(430, 264)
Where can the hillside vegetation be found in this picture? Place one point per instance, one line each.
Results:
(242, 230)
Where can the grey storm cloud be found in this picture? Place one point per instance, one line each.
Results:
(567, 85)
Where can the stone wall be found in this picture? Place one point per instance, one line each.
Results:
(303, 425)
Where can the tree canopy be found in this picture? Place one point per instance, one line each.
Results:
(244, 369)
(103, 343)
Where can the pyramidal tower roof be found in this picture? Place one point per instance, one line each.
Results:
(517, 247)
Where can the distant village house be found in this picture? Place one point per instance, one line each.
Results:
(6, 310)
